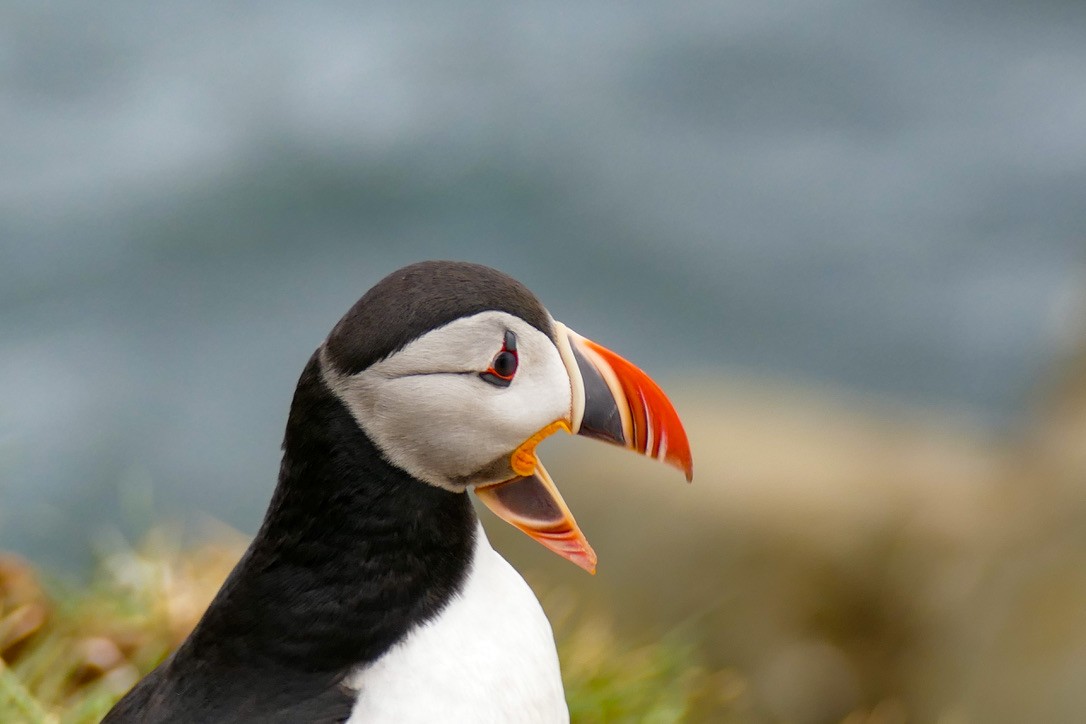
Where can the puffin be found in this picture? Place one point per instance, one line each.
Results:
(370, 592)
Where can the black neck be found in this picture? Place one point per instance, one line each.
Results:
(352, 554)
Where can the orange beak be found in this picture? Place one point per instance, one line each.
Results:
(610, 400)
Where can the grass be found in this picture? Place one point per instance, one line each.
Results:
(67, 654)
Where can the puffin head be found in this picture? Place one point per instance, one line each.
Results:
(456, 372)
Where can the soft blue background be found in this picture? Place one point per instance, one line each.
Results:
(881, 195)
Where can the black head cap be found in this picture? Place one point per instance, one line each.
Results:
(424, 296)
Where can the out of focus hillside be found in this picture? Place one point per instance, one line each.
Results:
(883, 196)
(836, 559)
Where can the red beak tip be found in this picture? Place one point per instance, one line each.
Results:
(586, 560)
(684, 467)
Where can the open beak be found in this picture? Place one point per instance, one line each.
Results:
(610, 400)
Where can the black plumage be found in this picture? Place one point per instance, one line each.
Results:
(353, 551)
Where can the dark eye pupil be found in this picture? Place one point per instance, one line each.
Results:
(505, 364)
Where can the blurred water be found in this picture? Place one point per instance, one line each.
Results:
(882, 195)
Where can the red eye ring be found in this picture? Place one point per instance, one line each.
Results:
(504, 365)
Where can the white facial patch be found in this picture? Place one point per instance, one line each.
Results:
(431, 414)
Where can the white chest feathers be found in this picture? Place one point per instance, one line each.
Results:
(489, 656)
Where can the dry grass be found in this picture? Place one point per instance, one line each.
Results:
(70, 652)
(66, 655)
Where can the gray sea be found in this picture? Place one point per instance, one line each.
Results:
(885, 196)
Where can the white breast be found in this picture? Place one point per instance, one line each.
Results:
(489, 656)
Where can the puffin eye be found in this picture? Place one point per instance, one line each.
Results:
(505, 363)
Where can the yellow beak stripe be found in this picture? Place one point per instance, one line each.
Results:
(523, 460)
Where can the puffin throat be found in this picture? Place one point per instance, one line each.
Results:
(353, 552)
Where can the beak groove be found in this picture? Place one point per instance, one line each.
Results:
(621, 404)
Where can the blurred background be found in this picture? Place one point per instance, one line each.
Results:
(848, 237)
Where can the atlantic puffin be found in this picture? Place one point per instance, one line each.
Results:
(370, 592)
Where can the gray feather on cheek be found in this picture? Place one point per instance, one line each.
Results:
(431, 414)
